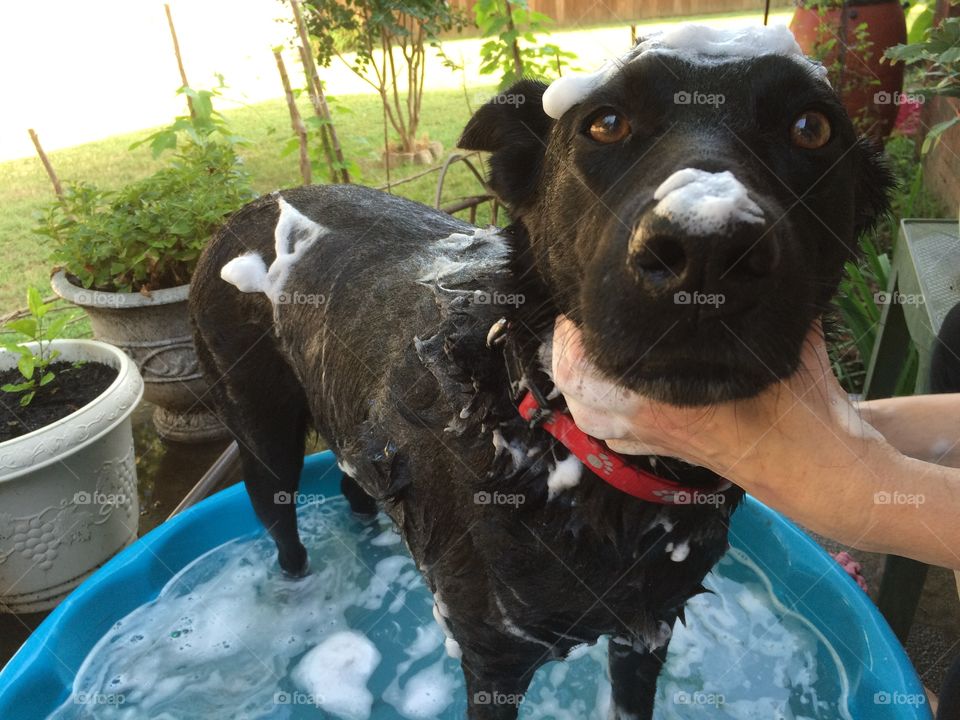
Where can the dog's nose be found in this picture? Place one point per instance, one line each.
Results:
(666, 259)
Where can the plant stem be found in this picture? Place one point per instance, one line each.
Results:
(176, 51)
(51, 173)
(514, 46)
(295, 120)
(320, 101)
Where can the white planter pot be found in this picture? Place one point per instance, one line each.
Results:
(155, 332)
(68, 491)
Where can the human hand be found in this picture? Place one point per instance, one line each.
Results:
(806, 413)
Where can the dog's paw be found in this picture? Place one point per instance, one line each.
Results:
(295, 565)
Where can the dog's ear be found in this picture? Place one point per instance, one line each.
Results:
(513, 128)
(874, 183)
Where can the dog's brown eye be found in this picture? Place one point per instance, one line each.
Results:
(811, 130)
(609, 127)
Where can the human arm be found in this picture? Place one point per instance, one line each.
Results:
(800, 446)
(926, 427)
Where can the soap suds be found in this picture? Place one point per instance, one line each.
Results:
(680, 552)
(294, 234)
(229, 636)
(459, 257)
(335, 674)
(564, 475)
(703, 203)
(690, 42)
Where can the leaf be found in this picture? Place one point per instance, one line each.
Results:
(27, 399)
(16, 387)
(13, 347)
(24, 326)
(163, 141)
(47, 379)
(26, 364)
(933, 135)
(35, 302)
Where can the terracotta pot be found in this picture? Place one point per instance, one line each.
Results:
(155, 332)
(68, 491)
(871, 90)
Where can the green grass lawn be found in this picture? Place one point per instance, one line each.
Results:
(24, 186)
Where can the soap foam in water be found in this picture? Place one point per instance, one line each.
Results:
(230, 637)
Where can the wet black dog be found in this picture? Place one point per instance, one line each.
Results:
(694, 242)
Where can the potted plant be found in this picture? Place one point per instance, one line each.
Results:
(939, 56)
(849, 38)
(389, 40)
(126, 256)
(68, 480)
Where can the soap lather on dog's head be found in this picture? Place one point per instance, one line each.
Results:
(690, 205)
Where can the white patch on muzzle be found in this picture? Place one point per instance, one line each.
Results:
(704, 203)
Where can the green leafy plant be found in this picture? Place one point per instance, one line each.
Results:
(149, 234)
(867, 277)
(389, 39)
(314, 127)
(860, 309)
(514, 51)
(846, 63)
(939, 54)
(34, 365)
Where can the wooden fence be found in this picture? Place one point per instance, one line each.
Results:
(570, 13)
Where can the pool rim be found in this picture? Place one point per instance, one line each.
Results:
(230, 506)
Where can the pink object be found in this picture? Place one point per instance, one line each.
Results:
(908, 118)
(852, 567)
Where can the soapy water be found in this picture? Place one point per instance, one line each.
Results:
(230, 637)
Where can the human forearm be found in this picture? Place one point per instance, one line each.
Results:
(864, 494)
(926, 427)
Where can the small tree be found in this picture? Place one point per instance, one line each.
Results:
(508, 22)
(390, 38)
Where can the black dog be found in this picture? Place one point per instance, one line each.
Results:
(406, 338)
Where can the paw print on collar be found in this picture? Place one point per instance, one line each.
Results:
(601, 463)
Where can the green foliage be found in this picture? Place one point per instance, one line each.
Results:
(844, 75)
(939, 54)
(200, 127)
(33, 364)
(149, 234)
(514, 52)
(867, 278)
(865, 282)
(389, 39)
(319, 165)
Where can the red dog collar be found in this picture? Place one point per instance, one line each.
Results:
(610, 466)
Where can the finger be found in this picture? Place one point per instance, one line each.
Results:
(597, 422)
(635, 447)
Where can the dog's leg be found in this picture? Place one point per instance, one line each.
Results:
(271, 473)
(633, 675)
(493, 691)
(263, 405)
(360, 503)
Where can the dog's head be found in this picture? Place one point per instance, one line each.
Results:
(690, 206)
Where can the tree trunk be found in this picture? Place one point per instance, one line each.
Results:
(296, 121)
(514, 46)
(317, 96)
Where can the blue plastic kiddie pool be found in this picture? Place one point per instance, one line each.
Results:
(803, 585)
